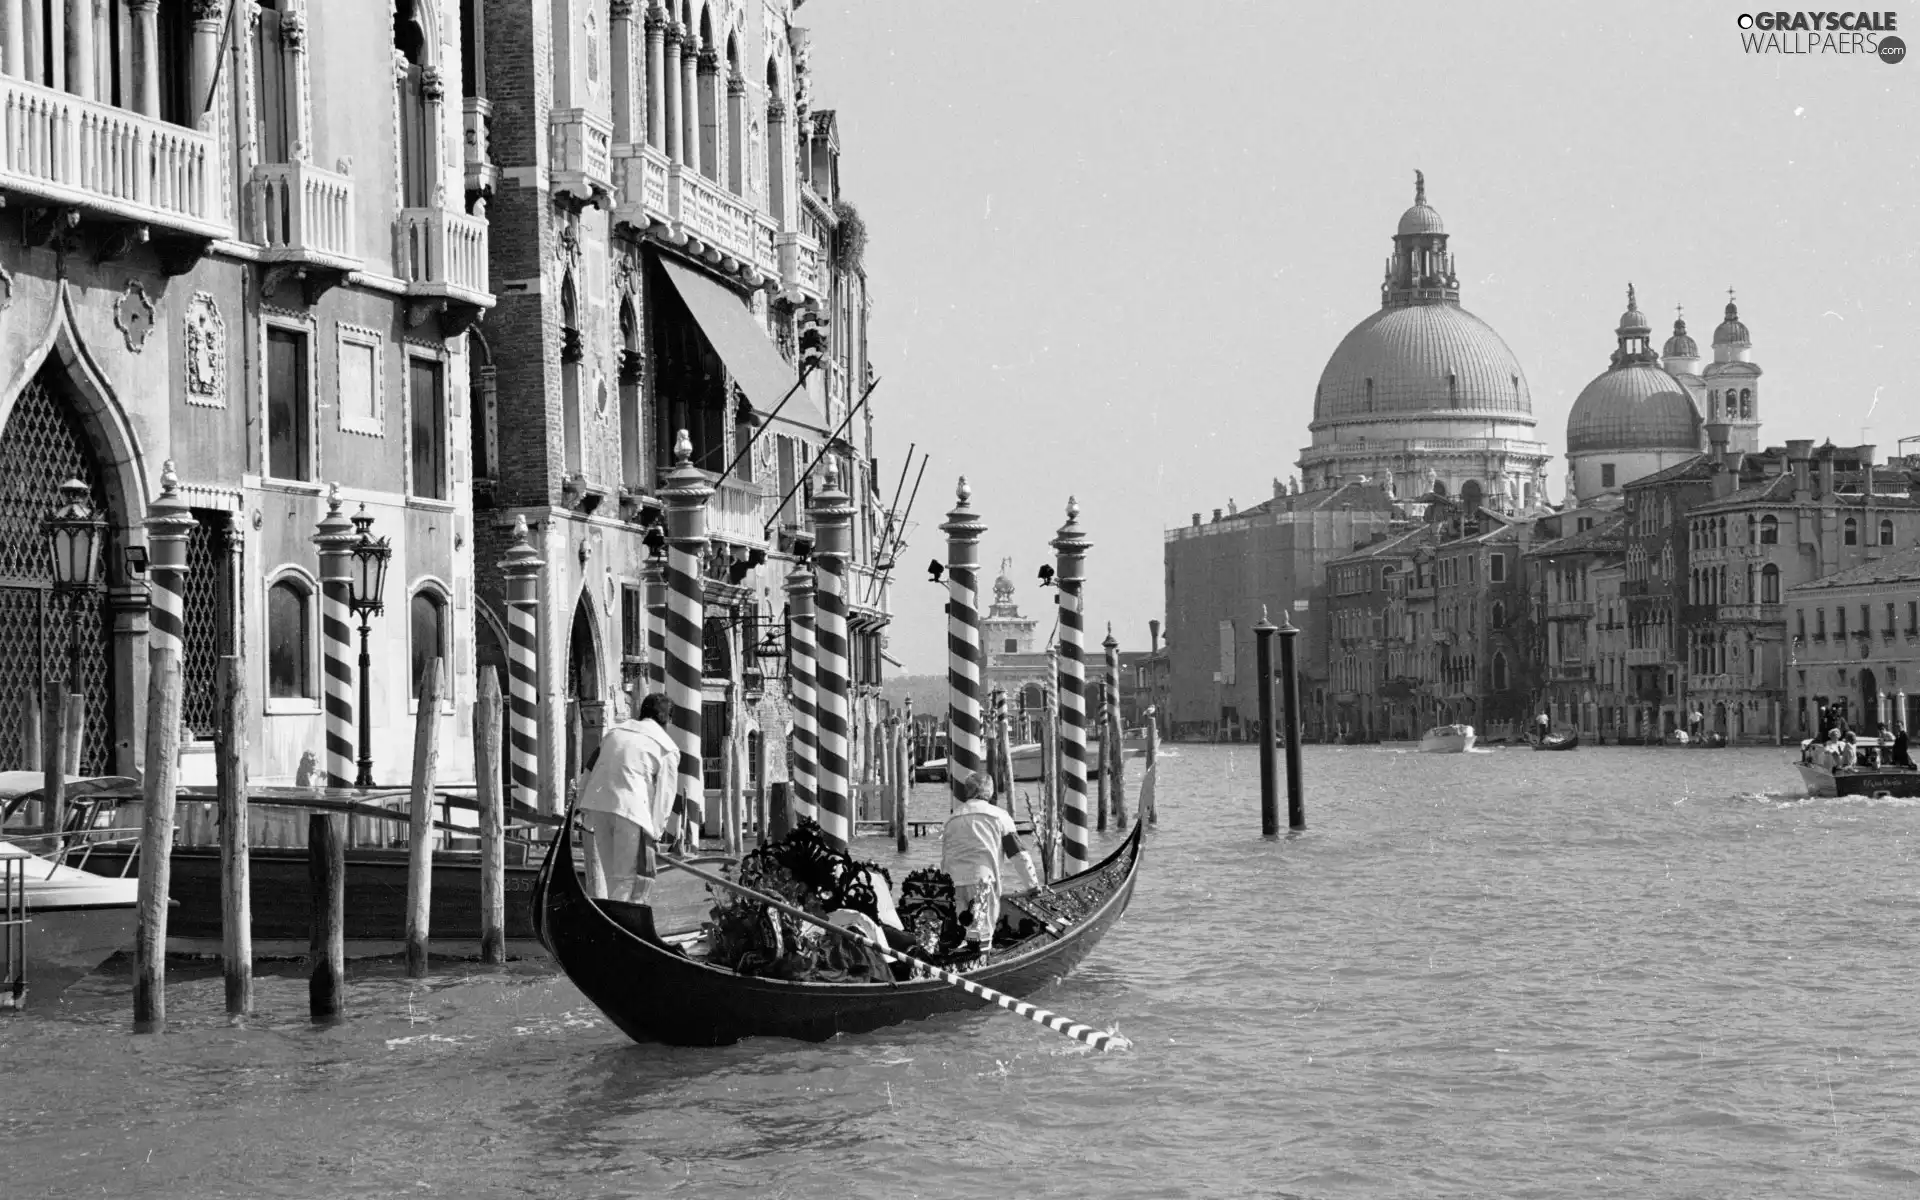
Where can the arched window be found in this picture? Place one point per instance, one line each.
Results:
(1886, 531)
(1499, 615)
(483, 408)
(632, 448)
(1850, 532)
(1770, 585)
(572, 351)
(1746, 403)
(290, 640)
(1499, 672)
(427, 633)
(418, 88)
(1769, 530)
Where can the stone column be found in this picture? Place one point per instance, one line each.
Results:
(736, 150)
(207, 17)
(779, 163)
(433, 94)
(293, 48)
(670, 78)
(146, 56)
(13, 43)
(690, 101)
(656, 76)
(707, 114)
(80, 48)
(620, 50)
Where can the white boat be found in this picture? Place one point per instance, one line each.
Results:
(1872, 776)
(1447, 739)
(75, 920)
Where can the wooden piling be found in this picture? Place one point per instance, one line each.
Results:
(30, 730)
(53, 796)
(76, 730)
(327, 884)
(493, 850)
(902, 785)
(1117, 756)
(426, 764)
(1105, 780)
(236, 901)
(156, 835)
(760, 791)
(1149, 811)
(1049, 787)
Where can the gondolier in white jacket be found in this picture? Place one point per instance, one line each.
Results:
(978, 845)
(628, 796)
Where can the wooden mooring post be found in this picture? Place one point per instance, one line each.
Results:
(30, 736)
(156, 836)
(902, 783)
(486, 793)
(1148, 811)
(76, 730)
(1104, 781)
(53, 757)
(327, 940)
(236, 898)
(1050, 786)
(426, 765)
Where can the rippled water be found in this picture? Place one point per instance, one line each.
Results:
(1615, 972)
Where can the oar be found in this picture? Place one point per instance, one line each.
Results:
(1098, 1039)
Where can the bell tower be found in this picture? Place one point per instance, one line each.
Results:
(1733, 382)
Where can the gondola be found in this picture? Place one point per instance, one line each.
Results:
(656, 993)
(1557, 741)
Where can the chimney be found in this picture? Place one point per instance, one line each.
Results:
(1798, 451)
(1279, 489)
(1825, 454)
(1196, 520)
(1726, 480)
(1866, 466)
(1216, 514)
(1717, 439)
(1153, 635)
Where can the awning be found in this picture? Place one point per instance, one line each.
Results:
(743, 346)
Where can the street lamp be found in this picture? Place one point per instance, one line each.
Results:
(364, 587)
(74, 534)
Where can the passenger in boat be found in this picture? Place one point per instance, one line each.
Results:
(1845, 753)
(977, 843)
(629, 798)
(1543, 723)
(1898, 755)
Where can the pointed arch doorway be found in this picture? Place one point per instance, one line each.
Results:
(42, 446)
(586, 697)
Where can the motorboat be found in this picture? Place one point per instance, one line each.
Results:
(76, 919)
(1872, 776)
(1447, 739)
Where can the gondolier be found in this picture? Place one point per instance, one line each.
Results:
(628, 797)
(976, 845)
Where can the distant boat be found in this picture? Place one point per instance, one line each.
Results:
(76, 920)
(1447, 739)
(1866, 780)
(1557, 741)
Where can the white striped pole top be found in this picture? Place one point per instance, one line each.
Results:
(833, 542)
(335, 537)
(800, 675)
(1070, 548)
(685, 495)
(655, 575)
(966, 749)
(521, 567)
(169, 522)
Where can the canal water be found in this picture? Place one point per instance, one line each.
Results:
(1614, 972)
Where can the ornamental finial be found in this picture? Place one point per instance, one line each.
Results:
(963, 490)
(333, 496)
(169, 479)
(1073, 508)
(683, 450)
(520, 527)
(1632, 305)
(830, 478)
(1419, 187)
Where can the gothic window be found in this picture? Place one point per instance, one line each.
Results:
(1499, 672)
(427, 633)
(572, 351)
(289, 640)
(1850, 532)
(633, 458)
(1769, 530)
(483, 415)
(1886, 531)
(417, 97)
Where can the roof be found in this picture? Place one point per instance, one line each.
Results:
(1902, 566)
(1401, 543)
(1633, 406)
(1699, 467)
(1421, 218)
(1779, 490)
(1421, 358)
(1371, 496)
(1732, 331)
(1680, 345)
(1602, 537)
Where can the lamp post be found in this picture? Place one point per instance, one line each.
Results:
(74, 534)
(365, 584)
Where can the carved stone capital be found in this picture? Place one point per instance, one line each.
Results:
(293, 32)
(656, 21)
(776, 112)
(736, 84)
(620, 10)
(208, 10)
(433, 85)
(709, 61)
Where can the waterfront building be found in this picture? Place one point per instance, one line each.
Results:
(1146, 683)
(1654, 589)
(1580, 687)
(1811, 514)
(1856, 645)
(1482, 628)
(1370, 681)
(235, 239)
(1019, 664)
(1636, 417)
(1423, 392)
(668, 222)
(1223, 575)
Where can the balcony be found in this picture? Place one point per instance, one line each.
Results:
(580, 157)
(1568, 671)
(1645, 657)
(1569, 610)
(869, 589)
(303, 217)
(1752, 614)
(114, 164)
(734, 513)
(800, 264)
(442, 258)
(687, 209)
(482, 175)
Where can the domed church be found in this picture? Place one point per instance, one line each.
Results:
(1423, 395)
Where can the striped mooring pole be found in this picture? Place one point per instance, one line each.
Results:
(966, 751)
(655, 576)
(169, 522)
(521, 567)
(833, 542)
(686, 494)
(1070, 572)
(335, 537)
(800, 674)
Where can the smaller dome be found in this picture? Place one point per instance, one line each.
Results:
(1633, 407)
(1680, 345)
(1633, 321)
(1732, 331)
(1420, 219)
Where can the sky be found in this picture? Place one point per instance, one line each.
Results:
(1112, 244)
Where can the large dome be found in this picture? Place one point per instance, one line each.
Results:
(1421, 358)
(1633, 407)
